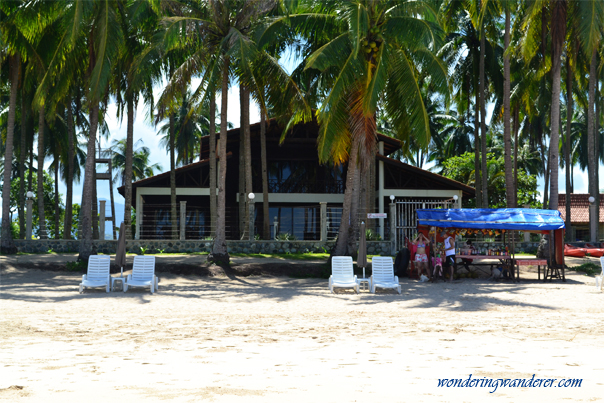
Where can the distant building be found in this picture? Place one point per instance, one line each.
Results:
(579, 215)
(297, 185)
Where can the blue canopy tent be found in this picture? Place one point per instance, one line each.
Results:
(509, 219)
(506, 218)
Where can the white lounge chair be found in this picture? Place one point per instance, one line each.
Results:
(600, 277)
(143, 274)
(382, 274)
(342, 274)
(98, 273)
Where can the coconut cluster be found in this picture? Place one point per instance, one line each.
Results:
(373, 40)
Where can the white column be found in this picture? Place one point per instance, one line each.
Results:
(381, 187)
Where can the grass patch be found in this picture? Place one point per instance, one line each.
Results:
(285, 256)
(590, 269)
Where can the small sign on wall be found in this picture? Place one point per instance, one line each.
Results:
(377, 215)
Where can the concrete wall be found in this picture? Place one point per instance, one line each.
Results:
(176, 246)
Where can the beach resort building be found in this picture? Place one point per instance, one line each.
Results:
(300, 190)
(579, 215)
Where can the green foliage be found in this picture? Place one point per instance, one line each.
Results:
(590, 269)
(461, 169)
(142, 250)
(286, 236)
(78, 265)
(371, 235)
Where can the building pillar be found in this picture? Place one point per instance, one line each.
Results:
(392, 227)
(28, 219)
(139, 216)
(275, 228)
(323, 221)
(183, 219)
(102, 219)
(251, 210)
(381, 188)
(593, 224)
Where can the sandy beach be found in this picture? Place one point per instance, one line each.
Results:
(275, 339)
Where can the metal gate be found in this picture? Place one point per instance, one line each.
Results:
(406, 216)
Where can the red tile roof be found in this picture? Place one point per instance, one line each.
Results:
(579, 205)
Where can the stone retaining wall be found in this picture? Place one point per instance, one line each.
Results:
(190, 246)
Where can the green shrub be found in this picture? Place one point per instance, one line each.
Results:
(78, 265)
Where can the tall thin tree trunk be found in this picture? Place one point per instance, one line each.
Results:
(173, 213)
(86, 245)
(477, 167)
(242, 197)
(516, 129)
(8, 245)
(42, 221)
(69, 183)
(128, 169)
(22, 157)
(483, 126)
(95, 205)
(507, 136)
(558, 35)
(30, 172)
(591, 143)
(567, 156)
(57, 212)
(219, 251)
(248, 152)
(546, 169)
(265, 210)
(349, 192)
(353, 229)
(597, 158)
(212, 147)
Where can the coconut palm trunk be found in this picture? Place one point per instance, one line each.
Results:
(128, 169)
(509, 175)
(40, 196)
(7, 241)
(483, 126)
(516, 129)
(245, 111)
(558, 36)
(242, 195)
(567, 157)
(86, 214)
(344, 230)
(173, 214)
(591, 144)
(219, 250)
(477, 167)
(265, 211)
(212, 147)
(69, 183)
(57, 210)
(22, 157)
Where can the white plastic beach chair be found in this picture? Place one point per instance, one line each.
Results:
(382, 274)
(143, 274)
(98, 273)
(342, 274)
(600, 278)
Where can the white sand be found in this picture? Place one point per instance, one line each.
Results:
(280, 339)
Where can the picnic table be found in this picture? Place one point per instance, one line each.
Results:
(548, 271)
(495, 261)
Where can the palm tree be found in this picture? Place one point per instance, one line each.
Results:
(375, 53)
(140, 166)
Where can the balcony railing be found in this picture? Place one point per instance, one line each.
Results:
(291, 186)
